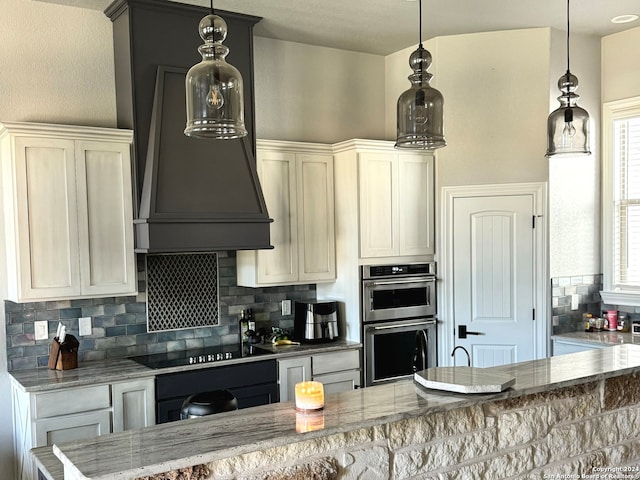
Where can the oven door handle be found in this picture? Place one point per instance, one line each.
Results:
(417, 324)
(396, 282)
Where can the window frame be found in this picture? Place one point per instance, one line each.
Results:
(612, 111)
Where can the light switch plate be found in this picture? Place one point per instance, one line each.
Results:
(286, 307)
(84, 326)
(41, 330)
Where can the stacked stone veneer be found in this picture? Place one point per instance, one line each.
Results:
(583, 431)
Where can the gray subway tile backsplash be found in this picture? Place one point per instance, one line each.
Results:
(587, 287)
(120, 323)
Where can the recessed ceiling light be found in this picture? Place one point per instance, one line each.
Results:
(624, 18)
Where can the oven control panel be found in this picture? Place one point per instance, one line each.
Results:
(404, 270)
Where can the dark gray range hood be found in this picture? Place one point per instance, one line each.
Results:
(193, 195)
(197, 195)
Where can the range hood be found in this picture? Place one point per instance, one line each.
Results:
(197, 195)
(191, 195)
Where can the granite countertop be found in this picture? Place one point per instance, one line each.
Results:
(169, 446)
(122, 369)
(602, 337)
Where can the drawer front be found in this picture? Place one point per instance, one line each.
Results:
(335, 361)
(339, 381)
(76, 400)
(71, 428)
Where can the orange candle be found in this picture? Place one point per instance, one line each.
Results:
(309, 396)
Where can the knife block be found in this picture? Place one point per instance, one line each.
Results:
(64, 356)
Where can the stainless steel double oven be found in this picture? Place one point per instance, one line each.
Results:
(398, 320)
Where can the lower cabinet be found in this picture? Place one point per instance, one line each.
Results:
(292, 371)
(562, 347)
(71, 414)
(338, 372)
(69, 428)
(251, 383)
(133, 404)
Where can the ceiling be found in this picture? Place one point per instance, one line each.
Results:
(385, 26)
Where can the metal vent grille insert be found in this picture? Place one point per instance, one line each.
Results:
(182, 291)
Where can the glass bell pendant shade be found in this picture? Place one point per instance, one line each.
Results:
(568, 125)
(215, 107)
(420, 109)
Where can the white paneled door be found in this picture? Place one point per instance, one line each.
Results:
(493, 278)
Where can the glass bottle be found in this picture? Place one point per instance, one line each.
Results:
(244, 326)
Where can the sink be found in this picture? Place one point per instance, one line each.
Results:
(464, 379)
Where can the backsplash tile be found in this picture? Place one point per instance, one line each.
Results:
(588, 288)
(119, 323)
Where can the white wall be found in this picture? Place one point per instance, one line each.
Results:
(316, 94)
(621, 65)
(495, 88)
(574, 182)
(57, 64)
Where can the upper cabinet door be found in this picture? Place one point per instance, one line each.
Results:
(67, 204)
(277, 172)
(378, 186)
(103, 170)
(416, 212)
(297, 183)
(316, 229)
(45, 251)
(396, 203)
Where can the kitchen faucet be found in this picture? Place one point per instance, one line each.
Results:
(465, 351)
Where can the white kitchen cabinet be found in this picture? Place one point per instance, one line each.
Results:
(133, 404)
(69, 428)
(68, 211)
(292, 371)
(297, 183)
(395, 202)
(564, 346)
(338, 371)
(70, 414)
(339, 381)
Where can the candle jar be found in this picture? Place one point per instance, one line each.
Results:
(309, 396)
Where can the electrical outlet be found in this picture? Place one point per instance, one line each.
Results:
(84, 326)
(575, 300)
(286, 307)
(41, 330)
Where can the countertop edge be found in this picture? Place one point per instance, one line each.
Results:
(123, 369)
(347, 411)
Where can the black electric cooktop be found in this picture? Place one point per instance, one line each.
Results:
(199, 355)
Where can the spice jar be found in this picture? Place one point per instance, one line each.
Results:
(623, 323)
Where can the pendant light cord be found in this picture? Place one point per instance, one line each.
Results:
(419, 25)
(212, 12)
(567, 37)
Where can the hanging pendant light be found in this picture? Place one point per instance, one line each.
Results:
(215, 107)
(420, 109)
(568, 125)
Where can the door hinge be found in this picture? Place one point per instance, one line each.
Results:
(534, 314)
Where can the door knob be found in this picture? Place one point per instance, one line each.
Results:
(463, 332)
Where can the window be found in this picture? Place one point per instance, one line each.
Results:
(621, 202)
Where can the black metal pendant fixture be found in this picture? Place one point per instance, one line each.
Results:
(568, 125)
(420, 109)
(215, 104)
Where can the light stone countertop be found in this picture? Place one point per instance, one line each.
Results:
(599, 338)
(170, 446)
(120, 369)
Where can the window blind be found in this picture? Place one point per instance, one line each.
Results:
(626, 203)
